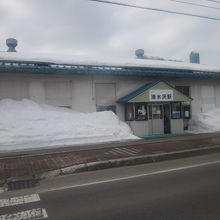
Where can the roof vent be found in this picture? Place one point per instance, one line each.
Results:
(139, 53)
(11, 43)
(194, 57)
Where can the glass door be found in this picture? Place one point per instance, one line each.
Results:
(157, 119)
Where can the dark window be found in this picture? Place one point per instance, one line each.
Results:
(186, 112)
(184, 89)
(176, 110)
(106, 108)
(140, 112)
(129, 112)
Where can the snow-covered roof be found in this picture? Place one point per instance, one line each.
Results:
(61, 59)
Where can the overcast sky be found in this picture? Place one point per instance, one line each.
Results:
(83, 27)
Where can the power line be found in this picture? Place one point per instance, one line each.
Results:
(190, 3)
(213, 1)
(157, 9)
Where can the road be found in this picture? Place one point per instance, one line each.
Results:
(181, 189)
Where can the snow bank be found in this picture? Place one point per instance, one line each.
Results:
(206, 122)
(26, 124)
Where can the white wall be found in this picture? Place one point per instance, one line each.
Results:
(139, 128)
(17, 89)
(83, 97)
(207, 97)
(58, 92)
(78, 91)
(205, 93)
(217, 95)
(36, 91)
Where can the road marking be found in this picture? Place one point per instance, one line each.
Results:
(131, 177)
(111, 152)
(127, 151)
(19, 200)
(134, 150)
(122, 151)
(32, 214)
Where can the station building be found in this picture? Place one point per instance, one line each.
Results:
(152, 96)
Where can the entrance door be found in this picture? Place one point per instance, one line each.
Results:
(157, 119)
(166, 110)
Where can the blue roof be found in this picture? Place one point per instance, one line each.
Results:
(51, 68)
(137, 92)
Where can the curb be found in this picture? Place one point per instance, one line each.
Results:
(129, 161)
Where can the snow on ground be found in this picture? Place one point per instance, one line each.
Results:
(206, 122)
(26, 124)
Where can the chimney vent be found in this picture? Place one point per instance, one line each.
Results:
(194, 57)
(139, 53)
(11, 43)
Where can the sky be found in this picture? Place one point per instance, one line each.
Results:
(88, 28)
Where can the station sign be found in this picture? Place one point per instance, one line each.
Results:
(161, 95)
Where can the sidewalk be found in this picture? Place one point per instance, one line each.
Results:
(56, 162)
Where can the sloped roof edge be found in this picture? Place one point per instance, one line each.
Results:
(144, 88)
(137, 92)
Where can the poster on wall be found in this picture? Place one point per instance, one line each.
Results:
(161, 95)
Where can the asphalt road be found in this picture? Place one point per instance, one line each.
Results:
(189, 191)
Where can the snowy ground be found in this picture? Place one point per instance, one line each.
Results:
(25, 124)
(207, 122)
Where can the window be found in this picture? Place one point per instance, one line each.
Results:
(156, 112)
(184, 89)
(186, 112)
(140, 112)
(176, 110)
(129, 112)
(106, 108)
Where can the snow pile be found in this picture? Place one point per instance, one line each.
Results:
(26, 124)
(206, 122)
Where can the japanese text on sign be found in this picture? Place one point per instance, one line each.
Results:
(162, 95)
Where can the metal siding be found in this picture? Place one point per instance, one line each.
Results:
(58, 93)
(217, 96)
(14, 89)
(140, 128)
(208, 97)
(105, 94)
